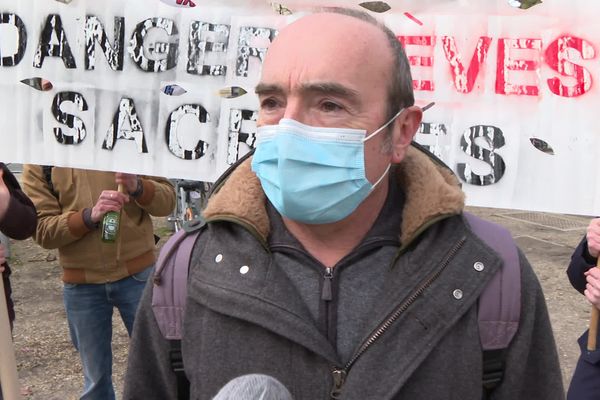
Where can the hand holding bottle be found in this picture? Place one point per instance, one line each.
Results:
(109, 200)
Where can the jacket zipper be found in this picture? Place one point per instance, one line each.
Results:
(339, 374)
(326, 293)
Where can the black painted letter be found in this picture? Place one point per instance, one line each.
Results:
(15, 59)
(45, 48)
(245, 49)
(94, 32)
(169, 52)
(238, 135)
(69, 120)
(199, 45)
(495, 139)
(126, 125)
(173, 144)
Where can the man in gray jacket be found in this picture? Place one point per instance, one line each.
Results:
(337, 259)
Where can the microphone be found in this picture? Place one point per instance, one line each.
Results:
(254, 387)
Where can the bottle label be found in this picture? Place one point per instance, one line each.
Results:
(110, 227)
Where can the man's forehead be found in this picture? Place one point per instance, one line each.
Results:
(326, 21)
(332, 53)
(327, 28)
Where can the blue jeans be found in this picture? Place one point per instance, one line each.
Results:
(89, 309)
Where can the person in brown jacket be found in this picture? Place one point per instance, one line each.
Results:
(98, 276)
(17, 221)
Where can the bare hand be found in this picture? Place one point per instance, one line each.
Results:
(109, 200)
(593, 237)
(129, 181)
(4, 195)
(592, 288)
(2, 257)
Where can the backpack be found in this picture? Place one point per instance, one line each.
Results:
(498, 314)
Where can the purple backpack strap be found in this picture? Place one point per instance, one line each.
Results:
(500, 301)
(170, 282)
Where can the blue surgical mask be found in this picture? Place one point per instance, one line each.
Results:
(311, 174)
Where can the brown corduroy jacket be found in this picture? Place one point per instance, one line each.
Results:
(82, 254)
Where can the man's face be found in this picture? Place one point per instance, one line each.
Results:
(330, 70)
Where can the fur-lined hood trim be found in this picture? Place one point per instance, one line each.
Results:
(432, 191)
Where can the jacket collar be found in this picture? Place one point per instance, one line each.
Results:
(432, 192)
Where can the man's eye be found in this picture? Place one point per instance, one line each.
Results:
(329, 106)
(269, 103)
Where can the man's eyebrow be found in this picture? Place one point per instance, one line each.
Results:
(266, 88)
(330, 88)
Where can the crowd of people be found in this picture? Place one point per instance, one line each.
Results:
(335, 262)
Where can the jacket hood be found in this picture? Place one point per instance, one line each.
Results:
(432, 191)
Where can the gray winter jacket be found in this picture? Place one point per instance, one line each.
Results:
(422, 341)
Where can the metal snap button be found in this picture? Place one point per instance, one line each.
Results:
(478, 266)
(458, 294)
(244, 270)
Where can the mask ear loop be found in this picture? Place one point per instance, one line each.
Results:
(384, 126)
(375, 133)
(381, 177)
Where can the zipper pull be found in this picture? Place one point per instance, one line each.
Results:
(326, 292)
(339, 377)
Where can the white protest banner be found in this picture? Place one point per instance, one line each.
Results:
(166, 87)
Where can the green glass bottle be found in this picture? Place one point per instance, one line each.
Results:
(110, 226)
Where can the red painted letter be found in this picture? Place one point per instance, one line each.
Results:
(464, 80)
(419, 61)
(506, 64)
(557, 58)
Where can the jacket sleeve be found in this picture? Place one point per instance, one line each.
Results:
(149, 375)
(532, 369)
(20, 219)
(158, 196)
(581, 261)
(55, 228)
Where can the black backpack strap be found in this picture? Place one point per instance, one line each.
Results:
(176, 360)
(47, 172)
(499, 303)
(493, 370)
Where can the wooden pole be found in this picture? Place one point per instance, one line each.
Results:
(593, 331)
(9, 378)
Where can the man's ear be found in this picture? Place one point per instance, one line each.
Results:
(405, 127)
